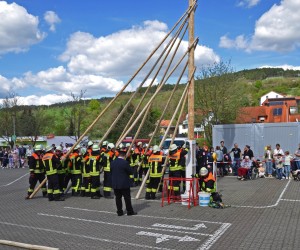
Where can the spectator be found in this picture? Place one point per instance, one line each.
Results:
(287, 164)
(236, 158)
(11, 159)
(29, 152)
(269, 161)
(277, 150)
(5, 158)
(297, 158)
(219, 156)
(279, 165)
(223, 148)
(246, 164)
(248, 152)
(1, 156)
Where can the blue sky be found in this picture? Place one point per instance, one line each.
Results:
(51, 48)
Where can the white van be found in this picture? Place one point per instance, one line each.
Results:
(179, 141)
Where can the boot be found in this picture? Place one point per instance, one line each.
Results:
(152, 195)
(59, 199)
(147, 196)
(82, 193)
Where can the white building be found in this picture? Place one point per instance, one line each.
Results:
(269, 95)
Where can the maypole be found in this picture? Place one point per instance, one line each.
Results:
(190, 76)
(191, 159)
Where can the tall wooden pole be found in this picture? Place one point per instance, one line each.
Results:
(191, 70)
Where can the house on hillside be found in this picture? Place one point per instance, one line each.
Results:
(270, 95)
(272, 110)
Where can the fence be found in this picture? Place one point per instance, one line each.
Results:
(258, 135)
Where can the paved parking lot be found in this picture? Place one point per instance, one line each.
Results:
(264, 215)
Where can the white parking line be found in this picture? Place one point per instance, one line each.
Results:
(14, 180)
(269, 206)
(82, 236)
(212, 238)
(145, 216)
(122, 225)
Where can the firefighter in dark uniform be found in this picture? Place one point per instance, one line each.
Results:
(144, 158)
(37, 171)
(176, 159)
(51, 162)
(207, 181)
(106, 159)
(130, 160)
(76, 166)
(183, 151)
(136, 159)
(86, 176)
(61, 171)
(94, 165)
(155, 165)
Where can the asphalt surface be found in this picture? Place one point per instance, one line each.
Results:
(264, 214)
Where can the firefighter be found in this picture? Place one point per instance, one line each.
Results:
(155, 162)
(130, 160)
(51, 163)
(183, 150)
(86, 176)
(176, 159)
(144, 158)
(136, 160)
(37, 171)
(94, 165)
(76, 166)
(106, 159)
(207, 181)
(61, 171)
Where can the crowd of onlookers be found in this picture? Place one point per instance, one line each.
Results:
(274, 163)
(16, 157)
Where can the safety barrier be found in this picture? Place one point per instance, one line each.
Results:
(190, 198)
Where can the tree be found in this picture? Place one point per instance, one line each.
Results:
(8, 117)
(76, 115)
(217, 97)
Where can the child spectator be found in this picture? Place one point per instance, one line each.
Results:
(261, 171)
(11, 160)
(279, 165)
(287, 164)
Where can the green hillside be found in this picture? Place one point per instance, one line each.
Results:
(243, 88)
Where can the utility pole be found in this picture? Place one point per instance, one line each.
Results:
(191, 65)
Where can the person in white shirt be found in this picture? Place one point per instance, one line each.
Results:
(287, 164)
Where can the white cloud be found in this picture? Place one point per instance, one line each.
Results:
(18, 29)
(284, 66)
(276, 30)
(52, 19)
(248, 3)
(121, 53)
(101, 65)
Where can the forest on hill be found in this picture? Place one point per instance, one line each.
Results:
(218, 91)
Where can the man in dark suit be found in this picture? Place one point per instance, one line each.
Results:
(120, 172)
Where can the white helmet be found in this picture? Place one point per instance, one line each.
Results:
(173, 147)
(58, 148)
(127, 144)
(110, 146)
(156, 149)
(139, 143)
(90, 143)
(77, 147)
(95, 147)
(48, 148)
(121, 145)
(203, 171)
(105, 143)
(38, 147)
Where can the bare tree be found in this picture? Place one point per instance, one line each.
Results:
(8, 117)
(76, 115)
